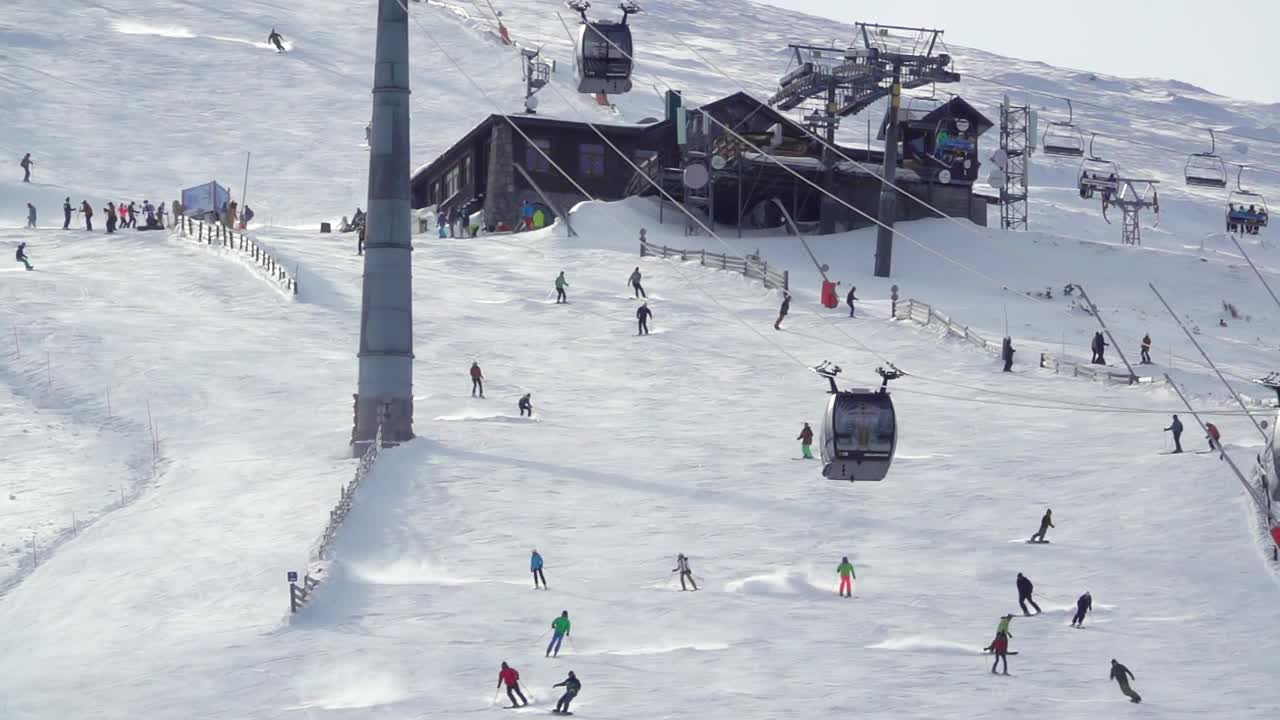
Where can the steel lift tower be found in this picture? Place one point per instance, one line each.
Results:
(384, 394)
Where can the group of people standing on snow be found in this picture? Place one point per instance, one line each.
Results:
(1212, 434)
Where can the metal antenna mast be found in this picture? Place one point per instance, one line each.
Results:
(385, 388)
(1017, 141)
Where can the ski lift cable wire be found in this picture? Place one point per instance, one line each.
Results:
(1041, 401)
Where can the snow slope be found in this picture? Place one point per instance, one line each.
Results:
(170, 601)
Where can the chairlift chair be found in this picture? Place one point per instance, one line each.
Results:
(603, 52)
(1206, 169)
(859, 429)
(1247, 211)
(1063, 139)
(1097, 174)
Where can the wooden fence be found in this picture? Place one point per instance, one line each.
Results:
(210, 233)
(925, 314)
(301, 593)
(752, 267)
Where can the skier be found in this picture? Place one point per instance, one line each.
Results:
(847, 576)
(1214, 437)
(806, 441)
(21, 255)
(1046, 522)
(643, 313)
(849, 299)
(682, 567)
(1176, 428)
(634, 281)
(26, 164)
(1121, 674)
(1099, 349)
(535, 567)
(160, 216)
(511, 678)
(31, 216)
(782, 311)
(66, 214)
(1006, 353)
(526, 406)
(178, 211)
(1024, 594)
(245, 216)
(477, 379)
(1000, 646)
(571, 687)
(124, 216)
(1083, 605)
(561, 284)
(110, 212)
(87, 210)
(1146, 349)
(276, 39)
(133, 215)
(559, 631)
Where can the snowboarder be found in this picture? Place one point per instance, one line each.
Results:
(847, 576)
(526, 406)
(477, 379)
(1146, 349)
(110, 212)
(26, 164)
(1121, 674)
(21, 255)
(535, 567)
(31, 216)
(508, 675)
(561, 284)
(1006, 354)
(1083, 605)
(643, 313)
(1099, 349)
(150, 211)
(782, 311)
(66, 214)
(1176, 428)
(559, 631)
(1046, 522)
(1000, 645)
(850, 298)
(276, 39)
(246, 216)
(87, 210)
(1024, 594)
(571, 687)
(1213, 436)
(682, 567)
(634, 281)
(806, 441)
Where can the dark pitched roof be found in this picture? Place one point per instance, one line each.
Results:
(959, 107)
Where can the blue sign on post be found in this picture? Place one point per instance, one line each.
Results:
(293, 576)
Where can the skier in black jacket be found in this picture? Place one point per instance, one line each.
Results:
(643, 313)
(1121, 674)
(782, 311)
(571, 687)
(1176, 428)
(1046, 522)
(66, 214)
(1083, 606)
(1024, 594)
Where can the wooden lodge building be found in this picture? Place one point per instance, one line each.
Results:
(495, 168)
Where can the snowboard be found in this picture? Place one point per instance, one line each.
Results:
(1037, 542)
(989, 652)
(559, 712)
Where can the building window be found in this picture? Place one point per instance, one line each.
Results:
(591, 160)
(534, 161)
(466, 171)
(451, 182)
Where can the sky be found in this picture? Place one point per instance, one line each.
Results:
(1227, 50)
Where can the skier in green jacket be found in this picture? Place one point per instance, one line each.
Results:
(847, 576)
(561, 284)
(559, 631)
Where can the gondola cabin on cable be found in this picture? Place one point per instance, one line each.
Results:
(603, 51)
(1206, 169)
(1247, 211)
(859, 430)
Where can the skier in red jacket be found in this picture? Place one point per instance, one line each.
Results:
(1214, 437)
(511, 678)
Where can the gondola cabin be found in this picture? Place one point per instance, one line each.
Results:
(603, 57)
(859, 431)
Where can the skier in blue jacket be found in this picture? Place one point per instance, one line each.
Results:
(535, 566)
